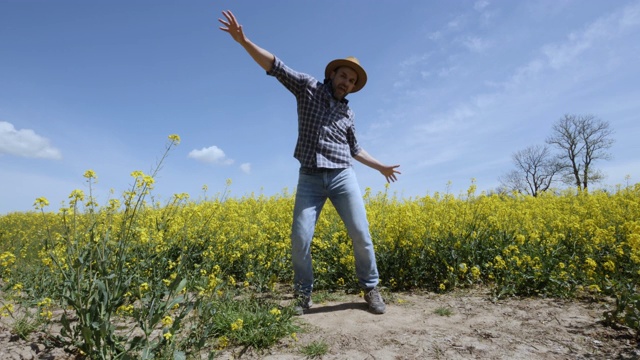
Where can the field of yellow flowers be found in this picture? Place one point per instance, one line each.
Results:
(177, 270)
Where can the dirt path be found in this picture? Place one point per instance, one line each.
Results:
(417, 326)
(477, 328)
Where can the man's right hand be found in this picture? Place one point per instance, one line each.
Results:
(232, 26)
(261, 56)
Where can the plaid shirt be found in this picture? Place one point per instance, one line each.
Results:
(326, 130)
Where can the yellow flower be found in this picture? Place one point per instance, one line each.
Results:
(144, 287)
(17, 287)
(45, 302)
(174, 138)
(590, 264)
(442, 287)
(125, 309)
(294, 336)
(223, 342)
(237, 325)
(275, 311)
(463, 268)
(167, 336)
(40, 203)
(76, 195)
(500, 263)
(167, 320)
(609, 266)
(7, 259)
(594, 288)
(90, 174)
(475, 272)
(6, 310)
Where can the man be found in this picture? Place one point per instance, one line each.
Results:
(326, 143)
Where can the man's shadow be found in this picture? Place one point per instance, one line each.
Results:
(338, 307)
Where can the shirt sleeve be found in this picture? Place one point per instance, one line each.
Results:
(354, 147)
(294, 81)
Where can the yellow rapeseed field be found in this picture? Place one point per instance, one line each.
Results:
(155, 262)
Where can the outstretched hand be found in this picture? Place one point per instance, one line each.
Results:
(232, 26)
(390, 172)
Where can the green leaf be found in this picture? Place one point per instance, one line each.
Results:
(179, 355)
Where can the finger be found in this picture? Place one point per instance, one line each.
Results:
(231, 17)
(226, 14)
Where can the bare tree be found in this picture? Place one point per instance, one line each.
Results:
(535, 170)
(511, 181)
(582, 140)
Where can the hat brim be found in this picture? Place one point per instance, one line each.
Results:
(335, 64)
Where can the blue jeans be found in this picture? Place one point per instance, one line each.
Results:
(341, 187)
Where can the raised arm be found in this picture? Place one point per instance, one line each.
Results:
(261, 56)
(389, 171)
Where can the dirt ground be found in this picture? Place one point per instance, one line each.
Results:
(465, 324)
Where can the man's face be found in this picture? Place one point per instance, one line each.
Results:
(343, 80)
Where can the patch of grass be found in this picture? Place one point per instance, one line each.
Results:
(254, 322)
(25, 325)
(443, 311)
(315, 349)
(326, 296)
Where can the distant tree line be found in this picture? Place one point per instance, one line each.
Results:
(579, 141)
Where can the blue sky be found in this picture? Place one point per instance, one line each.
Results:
(455, 88)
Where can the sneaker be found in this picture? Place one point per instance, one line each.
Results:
(302, 303)
(375, 301)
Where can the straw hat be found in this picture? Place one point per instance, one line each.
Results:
(350, 62)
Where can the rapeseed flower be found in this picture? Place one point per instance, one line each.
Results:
(174, 138)
(237, 325)
(41, 203)
(275, 312)
(167, 320)
(223, 342)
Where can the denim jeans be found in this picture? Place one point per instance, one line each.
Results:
(340, 186)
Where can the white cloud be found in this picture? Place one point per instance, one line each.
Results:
(456, 23)
(630, 16)
(480, 5)
(436, 35)
(211, 155)
(246, 168)
(476, 44)
(452, 121)
(414, 60)
(446, 71)
(25, 143)
(559, 55)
